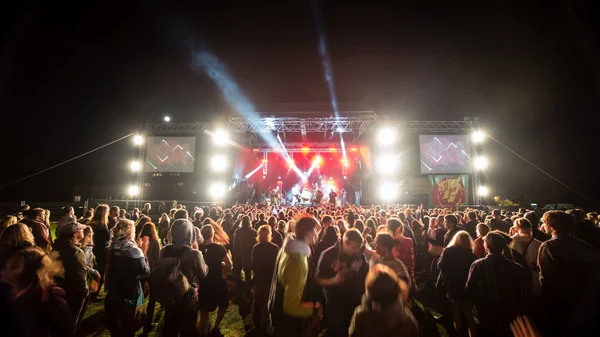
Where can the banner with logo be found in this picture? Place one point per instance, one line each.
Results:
(449, 190)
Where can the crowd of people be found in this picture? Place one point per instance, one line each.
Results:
(293, 271)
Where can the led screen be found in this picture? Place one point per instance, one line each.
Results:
(442, 154)
(170, 154)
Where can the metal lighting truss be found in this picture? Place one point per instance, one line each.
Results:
(355, 124)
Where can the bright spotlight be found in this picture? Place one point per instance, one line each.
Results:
(386, 136)
(217, 191)
(221, 137)
(388, 191)
(167, 119)
(483, 191)
(480, 163)
(340, 129)
(138, 140)
(387, 164)
(133, 190)
(218, 163)
(135, 166)
(478, 136)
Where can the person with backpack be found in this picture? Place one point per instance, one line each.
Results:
(176, 278)
(126, 265)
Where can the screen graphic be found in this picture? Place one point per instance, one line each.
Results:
(449, 191)
(445, 154)
(170, 154)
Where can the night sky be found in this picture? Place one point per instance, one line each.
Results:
(77, 74)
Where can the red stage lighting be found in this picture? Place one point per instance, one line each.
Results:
(305, 150)
(353, 149)
(255, 150)
(344, 162)
(331, 149)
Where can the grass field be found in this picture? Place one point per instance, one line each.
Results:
(232, 325)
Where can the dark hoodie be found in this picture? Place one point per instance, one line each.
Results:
(75, 280)
(191, 260)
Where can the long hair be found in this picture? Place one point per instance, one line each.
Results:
(461, 239)
(18, 236)
(246, 221)
(38, 268)
(149, 230)
(100, 216)
(7, 221)
(141, 221)
(220, 236)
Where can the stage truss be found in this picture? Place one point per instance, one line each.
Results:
(351, 123)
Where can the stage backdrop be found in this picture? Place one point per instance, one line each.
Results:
(170, 154)
(449, 190)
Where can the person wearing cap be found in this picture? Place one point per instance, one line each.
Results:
(498, 287)
(72, 257)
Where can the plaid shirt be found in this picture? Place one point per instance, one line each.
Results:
(499, 290)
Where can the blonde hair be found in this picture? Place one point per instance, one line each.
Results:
(7, 221)
(18, 236)
(264, 233)
(291, 226)
(461, 239)
(124, 229)
(38, 267)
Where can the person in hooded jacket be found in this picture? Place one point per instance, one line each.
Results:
(180, 318)
(382, 311)
(126, 266)
(72, 257)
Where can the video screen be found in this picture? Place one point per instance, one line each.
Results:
(445, 154)
(170, 154)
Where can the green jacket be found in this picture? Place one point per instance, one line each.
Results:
(292, 273)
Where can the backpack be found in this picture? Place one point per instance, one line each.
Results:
(167, 283)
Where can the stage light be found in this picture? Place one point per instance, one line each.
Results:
(386, 136)
(220, 137)
(483, 191)
(388, 191)
(353, 149)
(295, 190)
(340, 129)
(305, 150)
(344, 177)
(217, 191)
(478, 136)
(138, 140)
(480, 163)
(135, 166)
(387, 164)
(279, 178)
(264, 177)
(133, 190)
(332, 149)
(167, 119)
(344, 162)
(218, 163)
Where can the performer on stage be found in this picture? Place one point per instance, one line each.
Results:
(274, 197)
(318, 197)
(332, 196)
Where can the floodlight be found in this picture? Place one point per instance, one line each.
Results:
(167, 119)
(221, 137)
(480, 163)
(217, 191)
(135, 166)
(133, 190)
(218, 163)
(386, 136)
(388, 191)
(483, 191)
(138, 139)
(478, 136)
